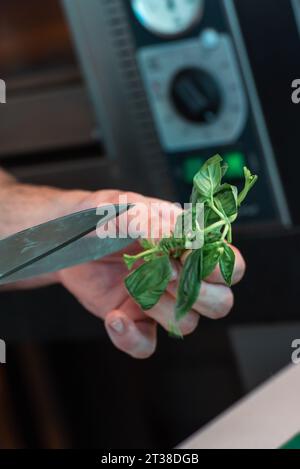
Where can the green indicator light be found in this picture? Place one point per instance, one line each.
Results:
(236, 162)
(190, 167)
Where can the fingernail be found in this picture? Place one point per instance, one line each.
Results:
(118, 326)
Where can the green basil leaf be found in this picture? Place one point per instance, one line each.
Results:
(250, 180)
(210, 217)
(211, 257)
(224, 169)
(174, 330)
(226, 200)
(189, 284)
(196, 197)
(179, 226)
(208, 180)
(188, 228)
(227, 262)
(186, 220)
(214, 236)
(148, 283)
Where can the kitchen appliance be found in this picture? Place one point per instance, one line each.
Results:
(171, 85)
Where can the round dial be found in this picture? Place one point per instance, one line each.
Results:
(196, 95)
(168, 17)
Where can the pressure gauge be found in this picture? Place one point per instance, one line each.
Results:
(168, 17)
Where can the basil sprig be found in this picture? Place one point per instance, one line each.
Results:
(221, 202)
(189, 283)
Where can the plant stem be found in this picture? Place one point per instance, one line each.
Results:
(215, 209)
(229, 237)
(225, 232)
(143, 254)
(216, 225)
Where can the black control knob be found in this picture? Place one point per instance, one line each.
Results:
(196, 95)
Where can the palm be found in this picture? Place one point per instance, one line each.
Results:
(99, 286)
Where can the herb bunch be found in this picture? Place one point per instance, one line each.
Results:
(221, 202)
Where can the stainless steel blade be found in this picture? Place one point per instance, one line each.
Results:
(29, 246)
(81, 251)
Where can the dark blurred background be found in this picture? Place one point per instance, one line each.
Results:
(94, 101)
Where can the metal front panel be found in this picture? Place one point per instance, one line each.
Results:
(159, 65)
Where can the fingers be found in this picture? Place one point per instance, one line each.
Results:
(215, 301)
(163, 314)
(239, 270)
(217, 278)
(137, 339)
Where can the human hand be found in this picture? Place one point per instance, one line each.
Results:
(99, 287)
